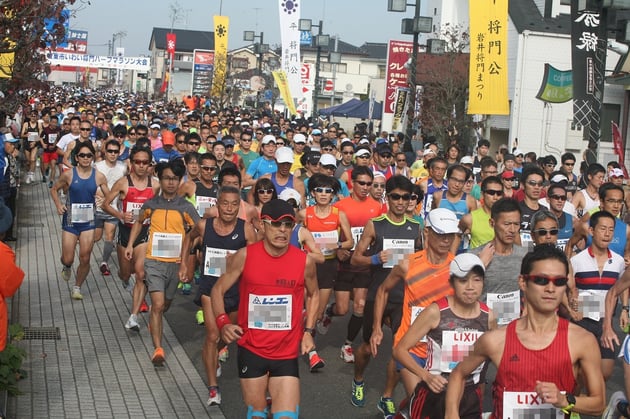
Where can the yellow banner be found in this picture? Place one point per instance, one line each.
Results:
(488, 75)
(6, 60)
(221, 26)
(283, 85)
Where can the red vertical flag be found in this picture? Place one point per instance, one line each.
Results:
(618, 148)
(170, 43)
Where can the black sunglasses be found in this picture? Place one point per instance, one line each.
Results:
(397, 197)
(544, 232)
(558, 281)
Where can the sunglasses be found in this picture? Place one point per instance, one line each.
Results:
(534, 183)
(327, 149)
(142, 162)
(181, 142)
(558, 197)
(132, 133)
(544, 232)
(324, 190)
(134, 119)
(360, 182)
(85, 155)
(347, 152)
(494, 192)
(509, 179)
(246, 140)
(569, 164)
(386, 156)
(279, 224)
(170, 178)
(193, 143)
(265, 191)
(558, 281)
(363, 156)
(378, 185)
(209, 168)
(85, 129)
(113, 151)
(397, 197)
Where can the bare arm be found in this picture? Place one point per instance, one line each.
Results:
(235, 264)
(397, 273)
(367, 239)
(196, 231)
(312, 304)
(609, 337)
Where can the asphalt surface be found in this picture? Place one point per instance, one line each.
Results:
(325, 393)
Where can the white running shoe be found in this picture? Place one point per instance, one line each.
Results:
(611, 411)
(132, 323)
(347, 354)
(76, 293)
(214, 396)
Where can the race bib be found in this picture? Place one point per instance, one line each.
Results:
(415, 312)
(562, 243)
(506, 307)
(205, 202)
(82, 213)
(134, 209)
(52, 138)
(166, 245)
(269, 312)
(327, 241)
(215, 261)
(32, 136)
(522, 405)
(398, 248)
(591, 303)
(357, 232)
(455, 346)
(526, 239)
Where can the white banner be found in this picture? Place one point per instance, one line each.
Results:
(290, 35)
(96, 61)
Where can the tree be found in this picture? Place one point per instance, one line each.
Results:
(444, 81)
(24, 44)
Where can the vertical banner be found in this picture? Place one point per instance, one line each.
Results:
(203, 70)
(588, 61)
(290, 37)
(305, 106)
(285, 91)
(400, 107)
(488, 75)
(618, 147)
(398, 53)
(221, 28)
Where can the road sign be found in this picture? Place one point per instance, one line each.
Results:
(329, 86)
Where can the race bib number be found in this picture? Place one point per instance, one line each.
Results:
(357, 232)
(166, 245)
(134, 209)
(522, 405)
(205, 202)
(506, 307)
(591, 303)
(269, 312)
(215, 261)
(398, 249)
(52, 138)
(32, 136)
(455, 346)
(562, 243)
(526, 239)
(415, 312)
(82, 213)
(327, 241)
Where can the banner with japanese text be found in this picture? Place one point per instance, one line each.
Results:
(488, 74)
(142, 64)
(171, 40)
(290, 38)
(221, 29)
(285, 91)
(557, 85)
(398, 53)
(400, 107)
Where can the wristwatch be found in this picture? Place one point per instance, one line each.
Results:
(571, 400)
(310, 330)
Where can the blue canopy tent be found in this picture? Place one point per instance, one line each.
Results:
(354, 108)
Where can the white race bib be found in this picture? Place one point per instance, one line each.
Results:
(521, 405)
(398, 248)
(52, 138)
(591, 303)
(269, 312)
(82, 213)
(205, 202)
(526, 238)
(455, 346)
(357, 232)
(215, 261)
(134, 208)
(166, 245)
(506, 307)
(324, 239)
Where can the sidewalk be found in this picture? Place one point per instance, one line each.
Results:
(96, 368)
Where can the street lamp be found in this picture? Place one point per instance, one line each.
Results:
(419, 24)
(320, 40)
(259, 49)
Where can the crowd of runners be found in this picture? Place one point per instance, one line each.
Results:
(281, 226)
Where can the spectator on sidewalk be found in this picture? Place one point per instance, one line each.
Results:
(11, 275)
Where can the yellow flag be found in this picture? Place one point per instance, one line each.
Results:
(488, 76)
(221, 26)
(283, 85)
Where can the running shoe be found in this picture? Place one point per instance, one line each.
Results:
(50, 184)
(144, 307)
(357, 394)
(200, 319)
(324, 324)
(28, 178)
(66, 273)
(387, 407)
(214, 396)
(612, 410)
(158, 357)
(76, 293)
(105, 269)
(132, 323)
(180, 284)
(186, 289)
(315, 361)
(347, 354)
(224, 354)
(197, 276)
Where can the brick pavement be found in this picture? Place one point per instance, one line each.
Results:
(97, 369)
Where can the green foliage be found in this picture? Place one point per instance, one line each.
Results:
(11, 360)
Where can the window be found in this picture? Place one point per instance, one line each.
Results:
(341, 68)
(610, 113)
(242, 63)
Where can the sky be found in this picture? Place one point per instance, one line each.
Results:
(354, 21)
